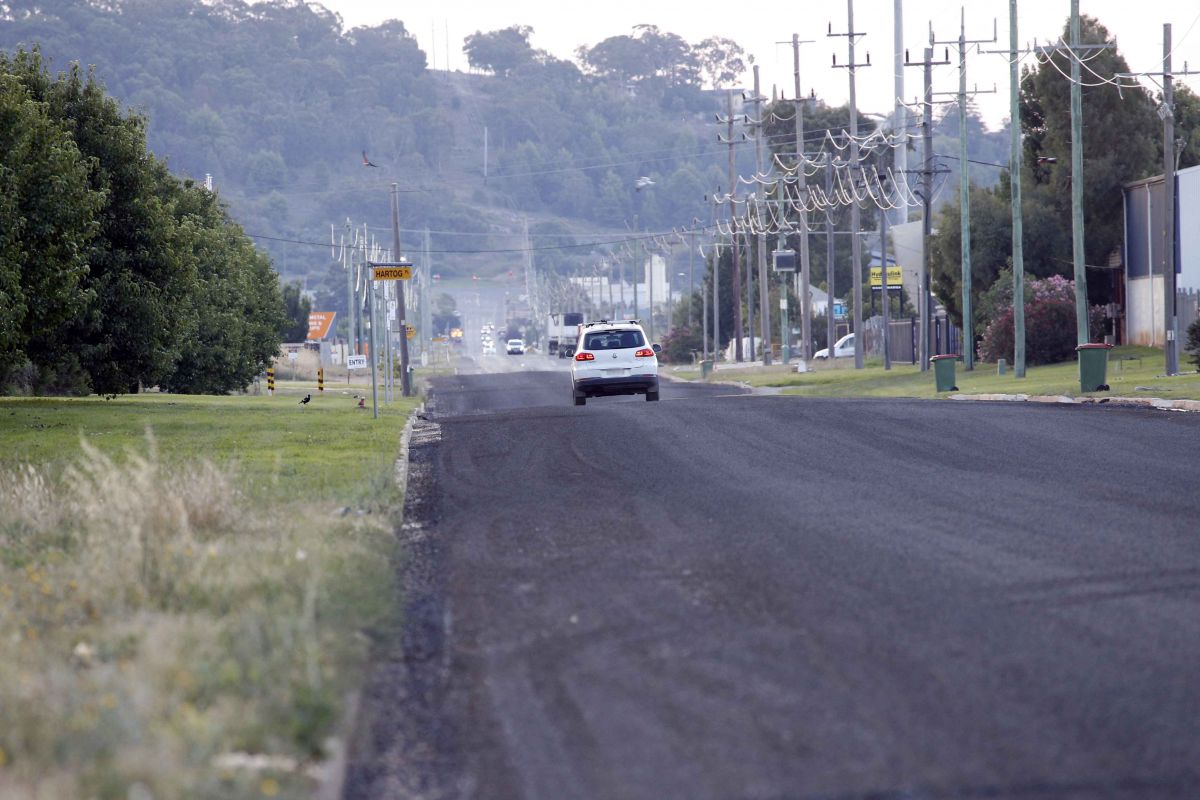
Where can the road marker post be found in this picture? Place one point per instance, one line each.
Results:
(271, 380)
(321, 380)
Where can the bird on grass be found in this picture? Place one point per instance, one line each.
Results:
(367, 161)
(307, 397)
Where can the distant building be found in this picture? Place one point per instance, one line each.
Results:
(1143, 255)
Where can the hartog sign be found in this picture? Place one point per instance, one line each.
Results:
(401, 273)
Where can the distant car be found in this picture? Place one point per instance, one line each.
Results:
(841, 348)
(515, 347)
(613, 358)
(489, 348)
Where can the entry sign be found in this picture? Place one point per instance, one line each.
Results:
(356, 362)
(397, 273)
(785, 260)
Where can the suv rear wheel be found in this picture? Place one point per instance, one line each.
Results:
(579, 401)
(652, 397)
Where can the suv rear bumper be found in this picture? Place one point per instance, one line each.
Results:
(630, 384)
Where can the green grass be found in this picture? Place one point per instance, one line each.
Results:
(184, 586)
(1132, 372)
(327, 450)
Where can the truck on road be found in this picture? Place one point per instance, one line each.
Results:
(563, 332)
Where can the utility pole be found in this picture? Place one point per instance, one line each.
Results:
(737, 262)
(351, 294)
(691, 274)
(704, 317)
(883, 259)
(427, 301)
(830, 272)
(925, 301)
(1167, 112)
(1077, 256)
(401, 312)
(806, 348)
(855, 243)
(639, 270)
(764, 288)
(964, 188)
(749, 289)
(1014, 179)
(900, 114)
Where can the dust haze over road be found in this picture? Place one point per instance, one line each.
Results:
(731, 596)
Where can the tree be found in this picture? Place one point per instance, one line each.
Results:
(991, 246)
(1121, 135)
(47, 223)
(499, 52)
(722, 61)
(296, 307)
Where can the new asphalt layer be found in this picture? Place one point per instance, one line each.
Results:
(724, 595)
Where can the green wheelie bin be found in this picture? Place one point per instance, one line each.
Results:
(943, 371)
(1093, 367)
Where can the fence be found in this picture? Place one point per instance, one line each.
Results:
(903, 342)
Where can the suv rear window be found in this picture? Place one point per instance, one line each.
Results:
(613, 340)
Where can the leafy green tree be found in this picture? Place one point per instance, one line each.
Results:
(47, 223)
(1187, 125)
(237, 308)
(1121, 131)
(991, 248)
(296, 308)
(129, 335)
(499, 52)
(722, 61)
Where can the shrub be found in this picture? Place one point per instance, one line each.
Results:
(1192, 345)
(1049, 324)
(679, 344)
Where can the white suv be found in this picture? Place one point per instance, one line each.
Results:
(614, 358)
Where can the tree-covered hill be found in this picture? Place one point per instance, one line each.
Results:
(283, 106)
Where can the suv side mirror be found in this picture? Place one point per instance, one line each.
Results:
(657, 348)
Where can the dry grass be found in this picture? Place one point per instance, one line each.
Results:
(152, 619)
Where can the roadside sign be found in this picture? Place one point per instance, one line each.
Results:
(895, 276)
(319, 324)
(293, 355)
(839, 310)
(410, 332)
(785, 260)
(398, 273)
(356, 362)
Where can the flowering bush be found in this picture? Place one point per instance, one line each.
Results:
(1049, 324)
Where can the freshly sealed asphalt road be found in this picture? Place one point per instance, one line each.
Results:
(724, 596)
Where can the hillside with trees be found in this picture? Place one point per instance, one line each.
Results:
(284, 107)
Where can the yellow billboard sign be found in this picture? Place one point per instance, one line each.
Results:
(392, 273)
(410, 332)
(895, 276)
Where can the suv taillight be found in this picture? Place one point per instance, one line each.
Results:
(584, 357)
(645, 352)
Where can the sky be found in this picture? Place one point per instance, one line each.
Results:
(560, 27)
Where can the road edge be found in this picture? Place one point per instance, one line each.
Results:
(332, 782)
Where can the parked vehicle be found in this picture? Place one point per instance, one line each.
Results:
(841, 348)
(515, 347)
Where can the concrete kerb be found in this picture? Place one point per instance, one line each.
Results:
(1143, 402)
(332, 771)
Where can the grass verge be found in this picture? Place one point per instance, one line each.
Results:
(1132, 372)
(185, 583)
